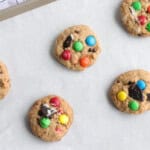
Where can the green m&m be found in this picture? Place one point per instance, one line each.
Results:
(148, 27)
(137, 5)
(45, 122)
(78, 46)
(133, 105)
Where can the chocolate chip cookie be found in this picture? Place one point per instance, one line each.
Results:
(50, 118)
(4, 80)
(131, 92)
(135, 16)
(77, 47)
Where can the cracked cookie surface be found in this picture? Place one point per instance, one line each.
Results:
(50, 118)
(4, 80)
(135, 15)
(77, 47)
(131, 92)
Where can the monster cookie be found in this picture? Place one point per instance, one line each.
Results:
(50, 118)
(77, 47)
(131, 92)
(4, 81)
(136, 16)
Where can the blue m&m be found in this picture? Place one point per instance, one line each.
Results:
(141, 84)
(90, 40)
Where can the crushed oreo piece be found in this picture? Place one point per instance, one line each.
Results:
(135, 92)
(67, 42)
(46, 111)
(92, 50)
(148, 97)
(40, 113)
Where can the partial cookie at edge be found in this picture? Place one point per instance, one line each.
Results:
(4, 80)
(135, 16)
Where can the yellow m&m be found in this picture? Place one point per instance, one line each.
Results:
(122, 96)
(63, 119)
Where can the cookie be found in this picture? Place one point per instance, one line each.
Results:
(50, 118)
(4, 80)
(77, 47)
(135, 15)
(131, 92)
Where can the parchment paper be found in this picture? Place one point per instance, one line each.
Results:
(26, 45)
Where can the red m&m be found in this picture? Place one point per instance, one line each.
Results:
(142, 19)
(55, 102)
(66, 54)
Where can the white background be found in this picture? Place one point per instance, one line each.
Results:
(26, 45)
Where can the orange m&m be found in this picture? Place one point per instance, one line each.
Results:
(85, 61)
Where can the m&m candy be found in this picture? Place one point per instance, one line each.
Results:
(63, 119)
(148, 27)
(45, 122)
(141, 84)
(137, 5)
(142, 19)
(133, 105)
(66, 55)
(122, 96)
(78, 46)
(90, 40)
(85, 61)
(55, 101)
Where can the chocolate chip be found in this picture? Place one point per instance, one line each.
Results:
(118, 81)
(1, 71)
(130, 82)
(76, 31)
(67, 42)
(135, 92)
(1, 84)
(92, 50)
(148, 97)
(130, 10)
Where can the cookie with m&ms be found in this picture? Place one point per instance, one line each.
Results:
(77, 47)
(4, 80)
(50, 118)
(131, 92)
(135, 15)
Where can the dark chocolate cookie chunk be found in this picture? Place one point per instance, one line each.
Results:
(135, 92)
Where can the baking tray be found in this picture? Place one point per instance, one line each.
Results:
(16, 7)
